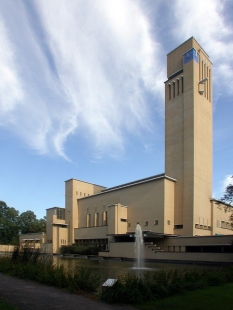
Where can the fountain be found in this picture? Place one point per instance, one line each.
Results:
(139, 247)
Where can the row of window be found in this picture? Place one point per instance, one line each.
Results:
(95, 221)
(223, 224)
(176, 87)
(200, 226)
(205, 72)
(63, 241)
(81, 194)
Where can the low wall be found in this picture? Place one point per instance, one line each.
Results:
(6, 248)
(127, 250)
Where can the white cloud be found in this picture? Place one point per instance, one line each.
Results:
(205, 21)
(227, 181)
(11, 92)
(87, 68)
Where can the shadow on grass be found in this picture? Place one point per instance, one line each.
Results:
(213, 298)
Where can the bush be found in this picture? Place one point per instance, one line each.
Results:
(81, 249)
(30, 264)
(164, 283)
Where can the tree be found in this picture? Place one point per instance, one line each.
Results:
(8, 224)
(228, 195)
(42, 224)
(228, 200)
(28, 223)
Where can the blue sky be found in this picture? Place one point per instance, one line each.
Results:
(82, 91)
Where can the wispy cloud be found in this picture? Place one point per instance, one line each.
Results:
(11, 92)
(205, 21)
(90, 69)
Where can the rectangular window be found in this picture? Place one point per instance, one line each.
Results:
(129, 224)
(123, 220)
(146, 223)
(178, 86)
(104, 218)
(182, 84)
(169, 91)
(96, 219)
(60, 213)
(156, 222)
(174, 89)
(168, 222)
(88, 220)
(181, 226)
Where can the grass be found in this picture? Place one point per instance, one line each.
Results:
(213, 298)
(5, 305)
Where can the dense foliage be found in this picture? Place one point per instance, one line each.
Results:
(30, 264)
(228, 200)
(164, 283)
(11, 222)
(80, 249)
(228, 194)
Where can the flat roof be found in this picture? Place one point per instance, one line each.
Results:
(85, 182)
(145, 180)
(187, 41)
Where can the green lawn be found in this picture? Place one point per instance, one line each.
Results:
(213, 298)
(6, 306)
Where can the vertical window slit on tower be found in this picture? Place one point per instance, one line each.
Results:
(169, 91)
(174, 88)
(210, 78)
(202, 70)
(206, 82)
(178, 86)
(182, 84)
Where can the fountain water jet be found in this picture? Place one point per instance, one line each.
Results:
(139, 246)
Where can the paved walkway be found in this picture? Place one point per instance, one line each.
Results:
(29, 295)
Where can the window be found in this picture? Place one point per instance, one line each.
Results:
(182, 84)
(180, 226)
(174, 88)
(96, 219)
(169, 91)
(146, 223)
(168, 222)
(88, 220)
(178, 86)
(123, 220)
(60, 213)
(129, 224)
(156, 222)
(104, 218)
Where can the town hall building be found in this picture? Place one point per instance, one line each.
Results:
(175, 209)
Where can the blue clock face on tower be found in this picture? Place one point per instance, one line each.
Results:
(190, 55)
